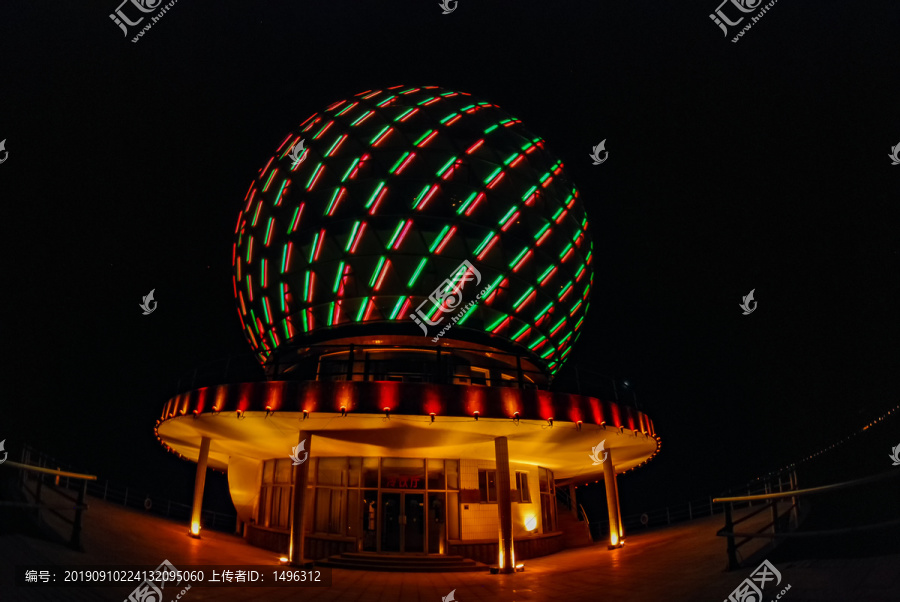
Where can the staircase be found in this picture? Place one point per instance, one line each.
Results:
(367, 561)
(576, 532)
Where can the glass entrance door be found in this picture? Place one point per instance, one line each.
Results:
(403, 522)
(414, 522)
(391, 505)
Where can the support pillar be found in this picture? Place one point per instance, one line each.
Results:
(619, 511)
(616, 533)
(507, 561)
(298, 503)
(199, 484)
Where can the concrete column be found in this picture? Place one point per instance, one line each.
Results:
(199, 484)
(612, 502)
(504, 506)
(619, 510)
(298, 503)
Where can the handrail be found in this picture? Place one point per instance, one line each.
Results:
(60, 473)
(777, 523)
(749, 516)
(811, 490)
(80, 506)
(303, 363)
(841, 531)
(86, 484)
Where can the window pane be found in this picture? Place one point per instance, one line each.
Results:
(437, 519)
(261, 513)
(355, 466)
(284, 508)
(276, 507)
(453, 515)
(369, 520)
(333, 471)
(435, 474)
(370, 472)
(334, 522)
(545, 483)
(482, 485)
(452, 467)
(268, 471)
(492, 485)
(480, 376)
(354, 514)
(323, 504)
(524, 492)
(403, 473)
(546, 514)
(283, 470)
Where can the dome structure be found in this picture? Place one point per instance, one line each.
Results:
(411, 268)
(413, 211)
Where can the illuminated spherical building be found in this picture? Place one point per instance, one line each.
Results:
(393, 190)
(411, 268)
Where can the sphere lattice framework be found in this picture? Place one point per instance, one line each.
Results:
(374, 202)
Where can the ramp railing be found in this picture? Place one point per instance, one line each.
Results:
(37, 474)
(781, 522)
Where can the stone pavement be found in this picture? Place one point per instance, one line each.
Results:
(680, 563)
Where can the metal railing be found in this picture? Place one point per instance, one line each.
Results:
(780, 524)
(563, 497)
(433, 364)
(132, 498)
(30, 472)
(674, 513)
(123, 495)
(422, 363)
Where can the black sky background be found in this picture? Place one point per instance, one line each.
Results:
(758, 165)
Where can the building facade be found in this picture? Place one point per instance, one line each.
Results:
(411, 270)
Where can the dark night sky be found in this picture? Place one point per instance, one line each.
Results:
(758, 165)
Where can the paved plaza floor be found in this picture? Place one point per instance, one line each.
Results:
(681, 563)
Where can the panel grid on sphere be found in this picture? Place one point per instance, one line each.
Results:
(371, 204)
